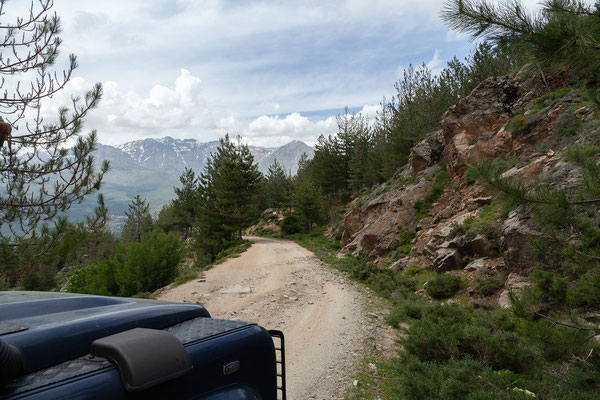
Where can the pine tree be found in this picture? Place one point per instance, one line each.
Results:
(139, 221)
(227, 195)
(184, 206)
(40, 177)
(278, 186)
(329, 167)
(566, 33)
(309, 202)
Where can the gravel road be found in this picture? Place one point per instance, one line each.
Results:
(280, 285)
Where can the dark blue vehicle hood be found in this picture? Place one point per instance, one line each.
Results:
(54, 332)
(49, 328)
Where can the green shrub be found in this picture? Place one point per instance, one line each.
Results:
(556, 342)
(587, 293)
(96, 279)
(488, 286)
(404, 245)
(452, 332)
(552, 287)
(294, 223)
(548, 98)
(148, 265)
(38, 277)
(567, 124)
(234, 249)
(443, 286)
(412, 270)
(454, 380)
(518, 125)
(137, 267)
(470, 176)
(405, 311)
(440, 184)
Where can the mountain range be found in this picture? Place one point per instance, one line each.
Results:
(151, 168)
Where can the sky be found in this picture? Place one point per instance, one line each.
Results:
(270, 71)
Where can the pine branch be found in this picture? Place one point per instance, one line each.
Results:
(579, 328)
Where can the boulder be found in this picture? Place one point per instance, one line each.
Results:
(475, 265)
(448, 259)
(479, 115)
(515, 283)
(373, 228)
(481, 246)
(427, 152)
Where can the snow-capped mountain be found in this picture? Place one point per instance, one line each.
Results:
(151, 168)
(174, 155)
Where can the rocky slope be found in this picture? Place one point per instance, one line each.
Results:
(512, 119)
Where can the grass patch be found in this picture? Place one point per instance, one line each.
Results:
(544, 101)
(266, 232)
(441, 182)
(382, 281)
(488, 286)
(486, 222)
(233, 251)
(186, 276)
(404, 245)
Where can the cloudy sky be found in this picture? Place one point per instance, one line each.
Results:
(271, 71)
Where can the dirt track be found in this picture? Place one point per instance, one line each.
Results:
(280, 285)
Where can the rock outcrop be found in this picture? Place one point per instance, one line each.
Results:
(373, 227)
(464, 229)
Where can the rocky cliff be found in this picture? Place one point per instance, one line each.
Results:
(455, 224)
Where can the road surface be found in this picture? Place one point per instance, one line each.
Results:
(280, 285)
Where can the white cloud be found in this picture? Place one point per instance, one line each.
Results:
(276, 131)
(123, 115)
(436, 64)
(255, 58)
(370, 111)
(180, 111)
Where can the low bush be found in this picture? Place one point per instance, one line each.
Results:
(443, 286)
(518, 125)
(404, 245)
(488, 286)
(405, 311)
(137, 267)
(547, 99)
(455, 352)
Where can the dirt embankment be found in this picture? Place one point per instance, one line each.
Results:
(280, 285)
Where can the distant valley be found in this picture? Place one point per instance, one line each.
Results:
(151, 168)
